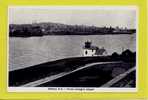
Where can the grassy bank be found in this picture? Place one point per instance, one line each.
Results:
(33, 73)
(94, 76)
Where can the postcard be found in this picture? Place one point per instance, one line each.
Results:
(72, 48)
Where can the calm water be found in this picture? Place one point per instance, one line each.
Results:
(24, 52)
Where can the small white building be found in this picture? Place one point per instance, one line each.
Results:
(89, 50)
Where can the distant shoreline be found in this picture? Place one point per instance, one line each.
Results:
(42, 29)
(66, 35)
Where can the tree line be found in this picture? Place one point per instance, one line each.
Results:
(40, 29)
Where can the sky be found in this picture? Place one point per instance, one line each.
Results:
(97, 16)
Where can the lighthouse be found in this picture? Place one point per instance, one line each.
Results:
(90, 50)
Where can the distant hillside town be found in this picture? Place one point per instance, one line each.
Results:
(40, 29)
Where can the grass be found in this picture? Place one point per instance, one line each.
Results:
(33, 73)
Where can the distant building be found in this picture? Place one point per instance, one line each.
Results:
(90, 50)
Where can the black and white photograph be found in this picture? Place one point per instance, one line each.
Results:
(72, 48)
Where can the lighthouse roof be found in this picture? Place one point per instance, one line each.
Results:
(91, 48)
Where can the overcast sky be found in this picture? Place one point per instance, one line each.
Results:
(74, 15)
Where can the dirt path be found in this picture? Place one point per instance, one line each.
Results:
(118, 78)
(53, 77)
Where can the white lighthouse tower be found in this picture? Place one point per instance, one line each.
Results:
(90, 50)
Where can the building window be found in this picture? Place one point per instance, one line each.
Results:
(86, 52)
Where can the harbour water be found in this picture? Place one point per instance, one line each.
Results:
(25, 52)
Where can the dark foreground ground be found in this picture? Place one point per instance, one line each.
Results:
(93, 76)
